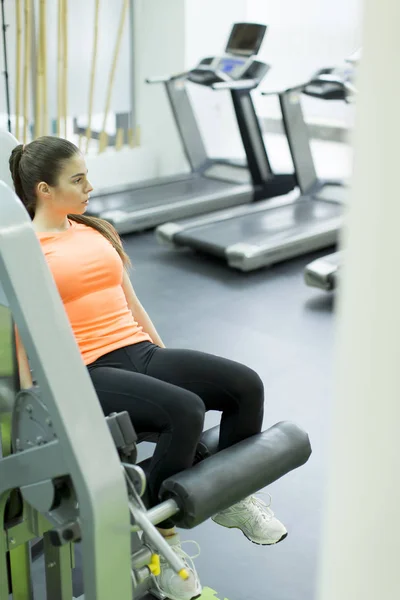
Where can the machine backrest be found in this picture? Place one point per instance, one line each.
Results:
(82, 439)
(9, 381)
(7, 145)
(8, 364)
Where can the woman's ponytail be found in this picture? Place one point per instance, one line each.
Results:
(15, 168)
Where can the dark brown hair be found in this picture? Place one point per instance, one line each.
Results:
(42, 160)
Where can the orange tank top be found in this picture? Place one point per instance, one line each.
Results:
(88, 273)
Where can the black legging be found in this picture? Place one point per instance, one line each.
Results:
(168, 391)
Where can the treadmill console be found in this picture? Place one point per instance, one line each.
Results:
(238, 63)
(232, 66)
(245, 39)
(331, 84)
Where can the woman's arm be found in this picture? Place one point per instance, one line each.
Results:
(25, 376)
(139, 313)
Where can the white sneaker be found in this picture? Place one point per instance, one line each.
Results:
(255, 519)
(168, 584)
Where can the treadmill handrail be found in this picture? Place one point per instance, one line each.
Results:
(165, 78)
(329, 78)
(302, 86)
(347, 85)
(182, 75)
(355, 58)
(242, 84)
(296, 88)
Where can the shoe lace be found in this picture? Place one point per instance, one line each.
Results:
(184, 555)
(266, 512)
(190, 542)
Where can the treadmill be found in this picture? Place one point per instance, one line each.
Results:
(323, 273)
(212, 184)
(254, 236)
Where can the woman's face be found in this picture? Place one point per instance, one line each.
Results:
(72, 192)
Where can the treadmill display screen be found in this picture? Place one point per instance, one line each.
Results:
(231, 66)
(246, 39)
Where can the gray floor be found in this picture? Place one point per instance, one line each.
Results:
(271, 321)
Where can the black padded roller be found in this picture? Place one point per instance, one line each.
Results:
(235, 473)
(208, 444)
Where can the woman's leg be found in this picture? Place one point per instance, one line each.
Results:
(225, 386)
(222, 384)
(176, 414)
(238, 392)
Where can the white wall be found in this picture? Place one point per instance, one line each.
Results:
(303, 37)
(160, 50)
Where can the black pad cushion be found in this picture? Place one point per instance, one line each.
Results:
(208, 444)
(233, 474)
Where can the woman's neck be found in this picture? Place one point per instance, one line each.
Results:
(51, 223)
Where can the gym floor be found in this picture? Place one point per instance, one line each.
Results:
(271, 321)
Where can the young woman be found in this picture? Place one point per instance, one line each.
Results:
(164, 390)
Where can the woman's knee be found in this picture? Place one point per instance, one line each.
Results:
(188, 411)
(251, 388)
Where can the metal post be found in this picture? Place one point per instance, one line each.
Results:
(4, 570)
(33, 65)
(132, 57)
(296, 130)
(360, 553)
(7, 83)
(20, 567)
(58, 565)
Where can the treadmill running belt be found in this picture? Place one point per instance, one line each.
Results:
(147, 196)
(271, 227)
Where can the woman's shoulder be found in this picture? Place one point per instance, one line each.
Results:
(46, 237)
